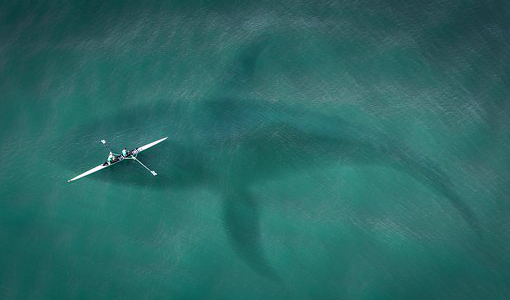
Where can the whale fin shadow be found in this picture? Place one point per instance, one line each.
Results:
(241, 221)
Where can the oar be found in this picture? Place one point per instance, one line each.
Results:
(108, 147)
(152, 172)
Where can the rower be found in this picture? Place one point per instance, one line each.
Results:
(124, 152)
(110, 158)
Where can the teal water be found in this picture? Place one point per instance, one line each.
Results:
(317, 149)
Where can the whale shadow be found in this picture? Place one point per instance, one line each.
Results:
(239, 145)
(229, 143)
(236, 145)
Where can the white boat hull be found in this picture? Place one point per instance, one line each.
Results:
(132, 153)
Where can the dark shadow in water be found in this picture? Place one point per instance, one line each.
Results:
(307, 148)
(285, 143)
(244, 67)
(429, 174)
(269, 141)
(241, 218)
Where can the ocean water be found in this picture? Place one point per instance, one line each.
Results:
(317, 149)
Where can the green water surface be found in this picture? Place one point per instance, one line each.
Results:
(317, 149)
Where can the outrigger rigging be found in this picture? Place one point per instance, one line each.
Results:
(118, 158)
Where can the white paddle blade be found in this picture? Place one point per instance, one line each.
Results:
(154, 173)
(104, 142)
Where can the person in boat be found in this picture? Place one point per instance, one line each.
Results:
(125, 152)
(110, 158)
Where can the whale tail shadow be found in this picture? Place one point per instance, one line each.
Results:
(426, 172)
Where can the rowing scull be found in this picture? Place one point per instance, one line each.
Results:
(118, 158)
